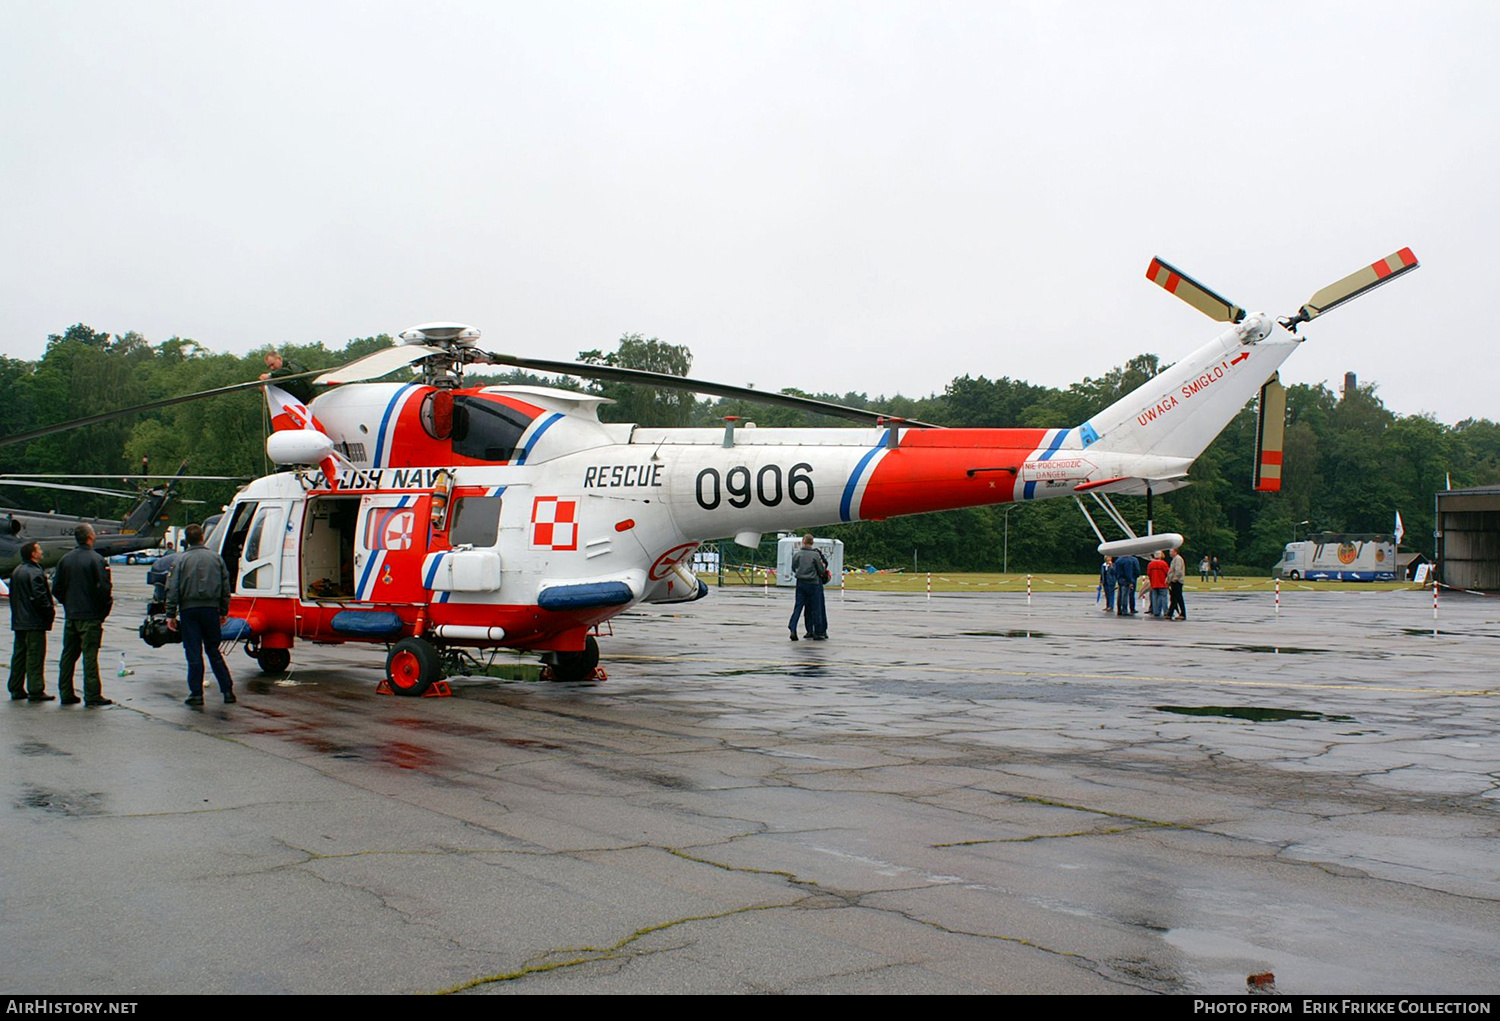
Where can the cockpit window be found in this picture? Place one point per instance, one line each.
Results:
(486, 430)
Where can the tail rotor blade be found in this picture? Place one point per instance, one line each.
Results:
(1210, 303)
(1353, 285)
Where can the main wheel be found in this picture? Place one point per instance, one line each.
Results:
(577, 666)
(273, 661)
(412, 665)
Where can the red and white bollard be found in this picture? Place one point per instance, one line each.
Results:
(929, 585)
(1434, 602)
(1028, 589)
(766, 583)
(1278, 597)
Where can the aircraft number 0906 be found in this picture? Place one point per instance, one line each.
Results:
(767, 486)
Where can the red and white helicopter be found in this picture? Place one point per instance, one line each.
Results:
(442, 517)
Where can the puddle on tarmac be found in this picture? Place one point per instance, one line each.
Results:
(1255, 714)
(1014, 633)
(1275, 650)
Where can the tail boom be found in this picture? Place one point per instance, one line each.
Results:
(1180, 411)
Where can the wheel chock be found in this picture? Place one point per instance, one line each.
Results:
(439, 689)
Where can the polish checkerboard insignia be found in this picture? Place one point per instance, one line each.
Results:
(554, 523)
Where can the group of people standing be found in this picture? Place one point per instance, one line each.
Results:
(1164, 572)
(83, 586)
(197, 603)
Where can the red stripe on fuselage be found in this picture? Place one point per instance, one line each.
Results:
(929, 470)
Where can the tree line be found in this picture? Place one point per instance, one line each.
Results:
(1350, 462)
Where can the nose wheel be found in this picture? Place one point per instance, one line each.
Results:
(271, 661)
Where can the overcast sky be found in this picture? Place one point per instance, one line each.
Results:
(838, 196)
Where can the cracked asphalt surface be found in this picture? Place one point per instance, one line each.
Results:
(956, 795)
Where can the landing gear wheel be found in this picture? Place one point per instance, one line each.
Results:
(273, 661)
(572, 667)
(412, 666)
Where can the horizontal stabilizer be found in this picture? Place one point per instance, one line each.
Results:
(1140, 546)
(1129, 485)
(1174, 281)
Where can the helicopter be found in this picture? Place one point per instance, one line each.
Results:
(439, 518)
(142, 527)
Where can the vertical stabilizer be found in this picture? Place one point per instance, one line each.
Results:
(1179, 412)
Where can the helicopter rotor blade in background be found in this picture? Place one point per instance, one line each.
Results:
(1212, 304)
(662, 380)
(1352, 286)
(35, 484)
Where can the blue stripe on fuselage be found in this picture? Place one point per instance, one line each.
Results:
(390, 409)
(853, 482)
(525, 453)
(1046, 455)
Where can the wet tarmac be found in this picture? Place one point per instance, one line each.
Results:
(956, 795)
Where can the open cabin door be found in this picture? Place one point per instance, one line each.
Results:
(253, 550)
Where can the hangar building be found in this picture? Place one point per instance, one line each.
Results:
(1468, 538)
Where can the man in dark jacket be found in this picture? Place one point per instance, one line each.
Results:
(82, 584)
(198, 602)
(1127, 570)
(31, 616)
(278, 368)
(809, 570)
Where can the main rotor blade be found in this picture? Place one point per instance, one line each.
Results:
(1210, 303)
(642, 377)
(33, 484)
(107, 416)
(378, 363)
(1352, 286)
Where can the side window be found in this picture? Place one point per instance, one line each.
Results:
(234, 541)
(475, 521)
(267, 526)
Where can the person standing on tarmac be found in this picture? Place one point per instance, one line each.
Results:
(1156, 571)
(1127, 570)
(83, 585)
(1175, 575)
(810, 571)
(198, 590)
(31, 617)
(1108, 582)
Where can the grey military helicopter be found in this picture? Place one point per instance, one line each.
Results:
(142, 528)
